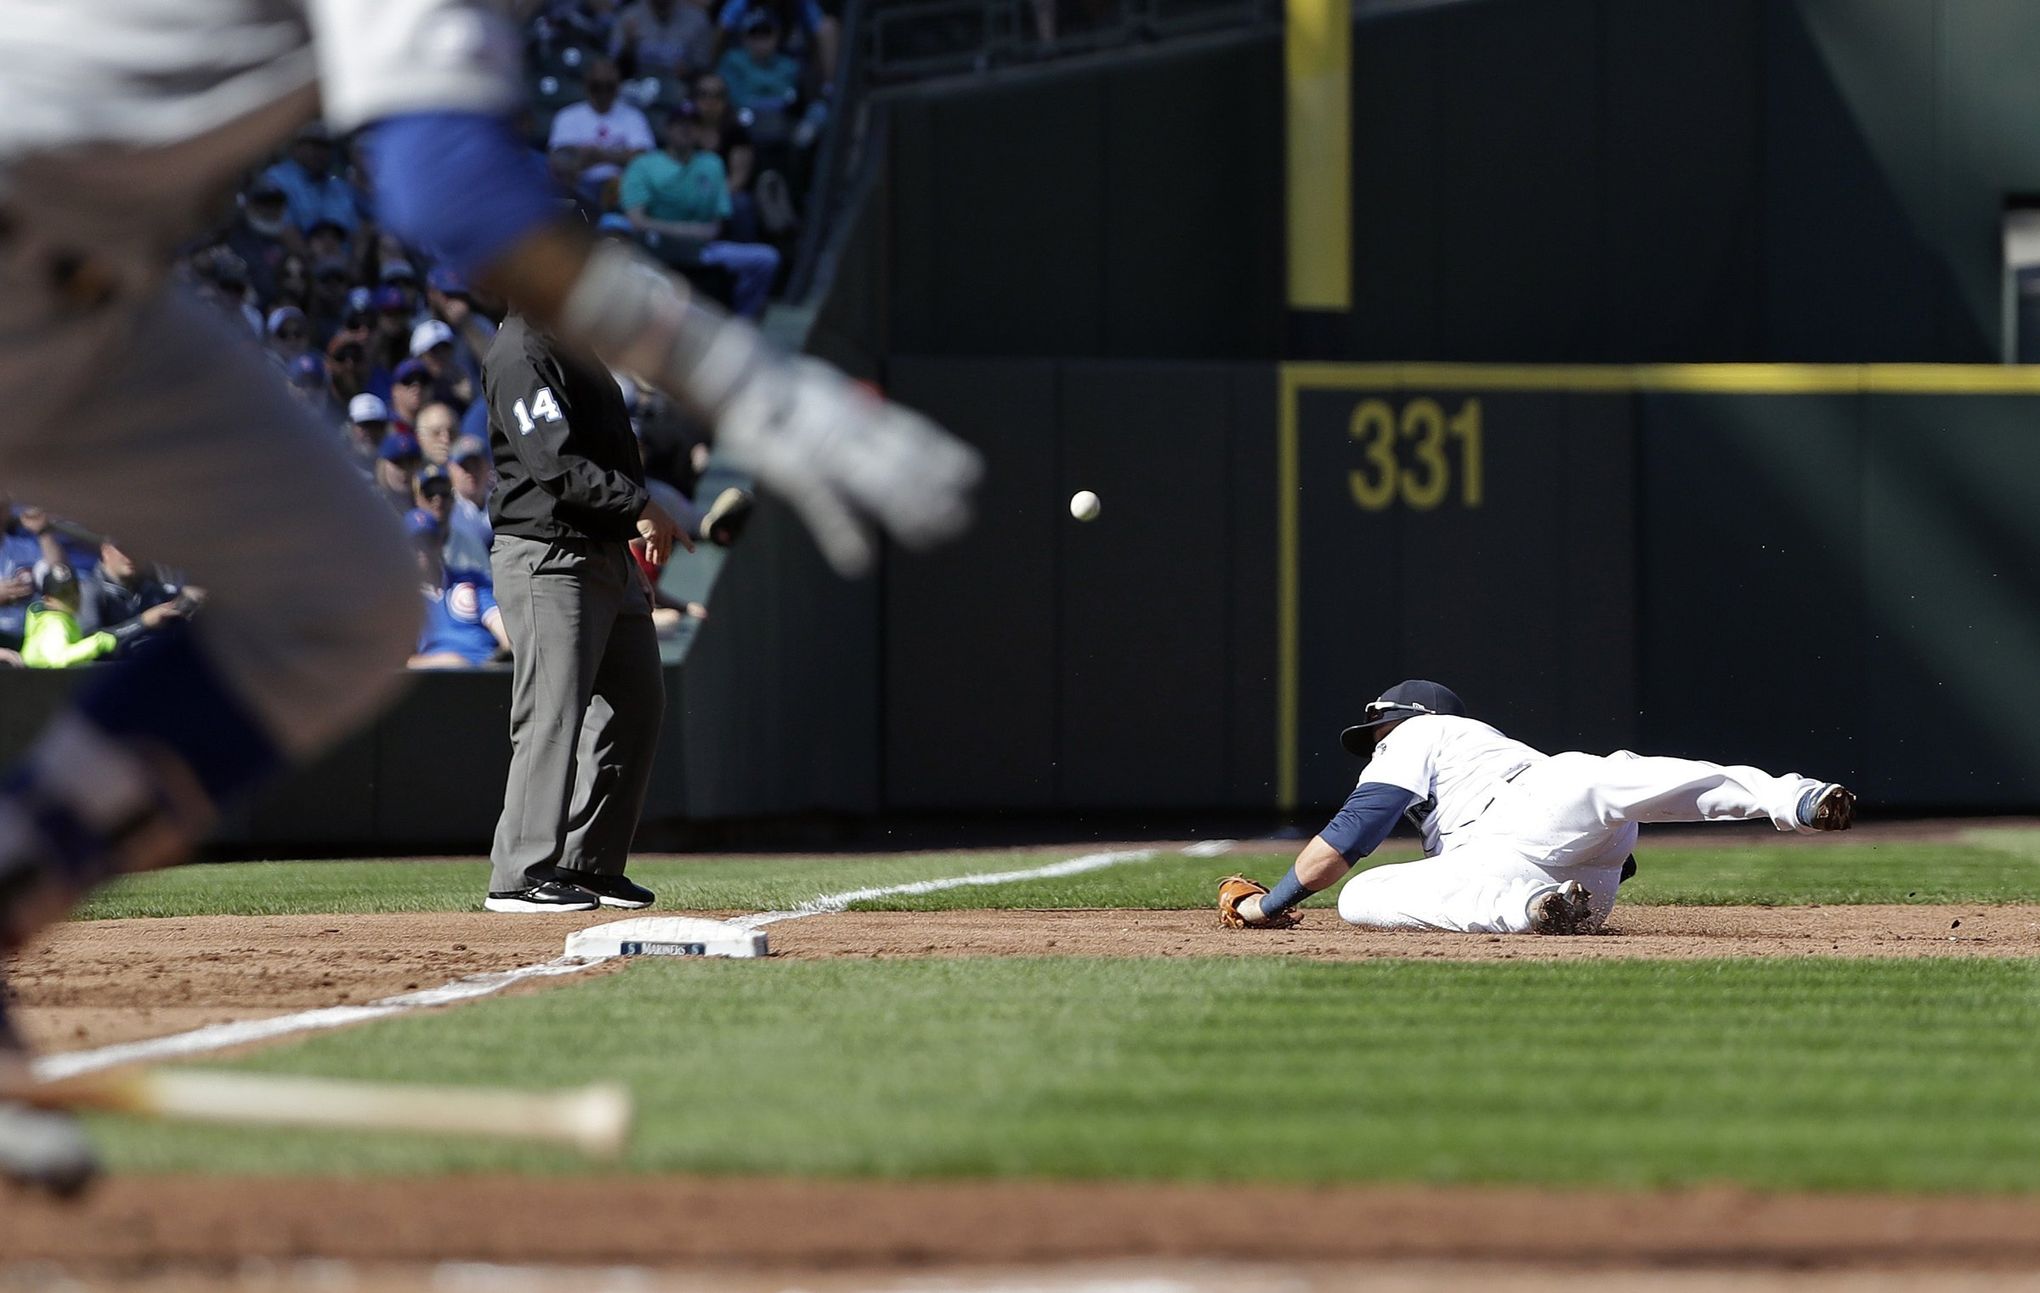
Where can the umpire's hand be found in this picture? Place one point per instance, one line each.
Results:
(659, 533)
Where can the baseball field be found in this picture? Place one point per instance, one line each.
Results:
(1817, 1060)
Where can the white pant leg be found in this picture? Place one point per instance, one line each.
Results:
(1573, 807)
(150, 421)
(1479, 888)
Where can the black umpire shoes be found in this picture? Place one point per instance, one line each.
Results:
(548, 895)
(609, 890)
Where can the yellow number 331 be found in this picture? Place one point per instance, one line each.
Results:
(1423, 482)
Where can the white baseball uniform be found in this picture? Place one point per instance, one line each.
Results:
(124, 125)
(1504, 823)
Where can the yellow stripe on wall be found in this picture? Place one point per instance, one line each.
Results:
(1318, 78)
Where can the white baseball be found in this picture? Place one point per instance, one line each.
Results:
(1084, 505)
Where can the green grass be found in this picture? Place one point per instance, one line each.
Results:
(1982, 866)
(1878, 1075)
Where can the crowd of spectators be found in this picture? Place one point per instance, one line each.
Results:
(684, 126)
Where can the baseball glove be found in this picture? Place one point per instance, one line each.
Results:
(1236, 889)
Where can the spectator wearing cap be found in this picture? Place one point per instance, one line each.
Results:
(326, 298)
(432, 344)
(811, 36)
(453, 303)
(312, 192)
(396, 460)
(347, 364)
(763, 78)
(223, 279)
(410, 391)
(463, 628)
(665, 38)
(469, 533)
(307, 376)
(289, 334)
(368, 421)
(432, 492)
(435, 428)
(55, 637)
(126, 590)
(390, 343)
(591, 141)
(680, 198)
(402, 275)
(326, 239)
(262, 235)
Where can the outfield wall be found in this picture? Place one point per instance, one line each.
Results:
(1822, 569)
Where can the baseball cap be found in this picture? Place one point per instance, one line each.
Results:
(325, 222)
(1404, 700)
(389, 298)
(410, 370)
(421, 524)
(307, 370)
(227, 268)
(447, 281)
(399, 271)
(467, 447)
(367, 408)
(432, 332)
(398, 447)
(432, 471)
(283, 314)
(757, 20)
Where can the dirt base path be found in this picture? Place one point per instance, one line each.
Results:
(667, 1221)
(101, 982)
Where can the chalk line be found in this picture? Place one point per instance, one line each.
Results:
(216, 1037)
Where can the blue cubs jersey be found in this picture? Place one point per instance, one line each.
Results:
(454, 616)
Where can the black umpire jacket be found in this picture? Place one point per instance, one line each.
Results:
(567, 463)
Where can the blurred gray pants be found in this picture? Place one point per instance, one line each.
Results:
(587, 694)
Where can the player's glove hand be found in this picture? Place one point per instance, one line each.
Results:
(847, 460)
(1236, 889)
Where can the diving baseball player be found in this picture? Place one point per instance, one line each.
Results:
(123, 123)
(1515, 841)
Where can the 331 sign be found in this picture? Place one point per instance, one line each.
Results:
(1415, 454)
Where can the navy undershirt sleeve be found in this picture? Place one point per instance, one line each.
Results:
(1369, 815)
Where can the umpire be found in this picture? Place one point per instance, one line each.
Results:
(586, 691)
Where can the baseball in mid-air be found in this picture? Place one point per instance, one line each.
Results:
(1084, 505)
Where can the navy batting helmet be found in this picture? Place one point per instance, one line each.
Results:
(1404, 700)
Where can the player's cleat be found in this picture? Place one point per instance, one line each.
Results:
(38, 1149)
(1827, 808)
(609, 890)
(725, 518)
(1628, 869)
(547, 895)
(1567, 909)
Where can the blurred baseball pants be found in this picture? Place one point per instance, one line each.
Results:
(148, 419)
(587, 693)
(1570, 817)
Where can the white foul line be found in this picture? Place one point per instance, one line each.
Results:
(215, 1037)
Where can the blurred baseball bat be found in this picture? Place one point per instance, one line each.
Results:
(593, 1119)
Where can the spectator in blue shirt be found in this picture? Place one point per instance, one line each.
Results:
(463, 628)
(19, 551)
(311, 190)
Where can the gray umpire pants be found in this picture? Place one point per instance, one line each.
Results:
(586, 697)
